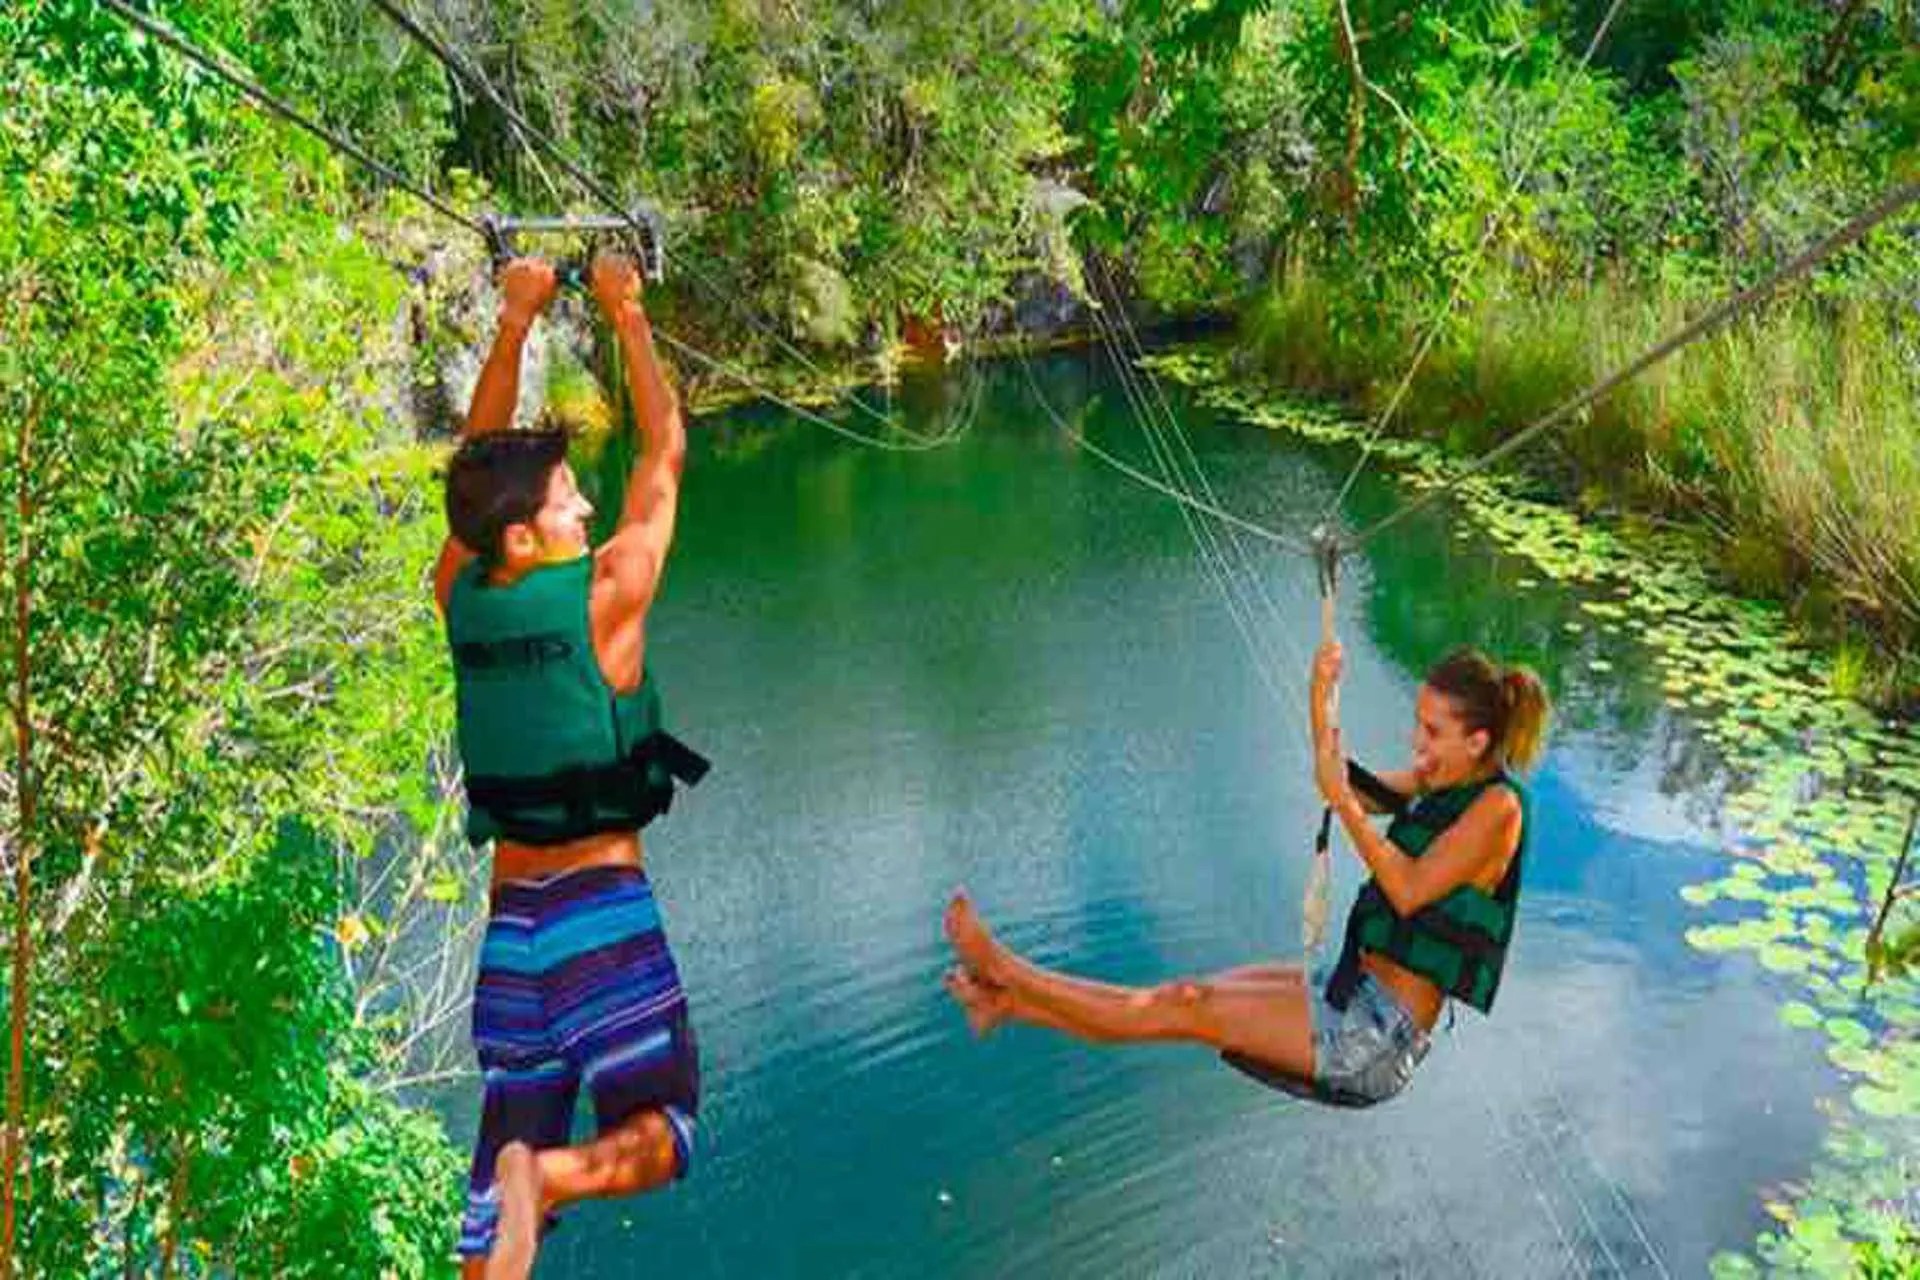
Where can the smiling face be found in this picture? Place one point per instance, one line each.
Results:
(1446, 752)
(557, 532)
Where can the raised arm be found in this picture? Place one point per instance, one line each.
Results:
(636, 555)
(1323, 704)
(528, 285)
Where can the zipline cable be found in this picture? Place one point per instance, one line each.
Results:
(279, 107)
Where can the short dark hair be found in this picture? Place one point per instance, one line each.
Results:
(497, 479)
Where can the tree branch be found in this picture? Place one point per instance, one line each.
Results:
(1894, 890)
(1356, 109)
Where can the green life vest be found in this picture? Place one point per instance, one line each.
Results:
(1458, 943)
(551, 752)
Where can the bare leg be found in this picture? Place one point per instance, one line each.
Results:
(1261, 1011)
(987, 1007)
(516, 1176)
(637, 1156)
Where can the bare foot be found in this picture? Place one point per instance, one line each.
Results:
(517, 1176)
(984, 1004)
(971, 941)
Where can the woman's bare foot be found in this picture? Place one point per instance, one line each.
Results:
(517, 1176)
(975, 946)
(984, 1005)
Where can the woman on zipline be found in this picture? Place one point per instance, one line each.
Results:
(1433, 921)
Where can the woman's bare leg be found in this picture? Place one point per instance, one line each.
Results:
(1261, 1011)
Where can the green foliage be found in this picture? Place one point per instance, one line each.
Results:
(890, 145)
(1900, 1261)
(182, 371)
(207, 376)
(1187, 132)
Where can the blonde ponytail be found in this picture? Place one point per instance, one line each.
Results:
(1528, 709)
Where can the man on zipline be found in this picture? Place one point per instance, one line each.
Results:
(1433, 922)
(565, 760)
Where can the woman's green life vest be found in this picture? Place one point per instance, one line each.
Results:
(1458, 943)
(550, 751)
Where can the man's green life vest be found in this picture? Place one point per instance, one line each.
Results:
(1458, 943)
(551, 752)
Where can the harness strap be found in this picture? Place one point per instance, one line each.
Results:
(1363, 780)
(577, 789)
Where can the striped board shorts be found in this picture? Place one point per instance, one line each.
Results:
(576, 985)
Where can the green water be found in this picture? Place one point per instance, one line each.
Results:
(1001, 664)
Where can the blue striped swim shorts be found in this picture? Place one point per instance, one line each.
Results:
(576, 985)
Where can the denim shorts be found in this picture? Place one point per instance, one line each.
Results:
(1368, 1050)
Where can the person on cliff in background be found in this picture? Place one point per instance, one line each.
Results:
(565, 759)
(1433, 921)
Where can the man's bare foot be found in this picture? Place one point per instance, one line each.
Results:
(971, 941)
(984, 1005)
(516, 1174)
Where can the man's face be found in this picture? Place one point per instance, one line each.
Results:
(558, 531)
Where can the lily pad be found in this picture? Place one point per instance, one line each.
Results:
(1800, 1015)
(1847, 1031)
(1886, 1103)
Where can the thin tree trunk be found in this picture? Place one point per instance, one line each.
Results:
(1356, 109)
(1836, 43)
(176, 1208)
(22, 862)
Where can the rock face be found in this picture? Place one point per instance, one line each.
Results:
(453, 313)
(454, 305)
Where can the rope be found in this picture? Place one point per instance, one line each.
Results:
(461, 70)
(1127, 469)
(1208, 540)
(1206, 550)
(1212, 561)
(1854, 230)
(1315, 898)
(1620, 1199)
(279, 107)
(1460, 280)
(1530, 1168)
(918, 444)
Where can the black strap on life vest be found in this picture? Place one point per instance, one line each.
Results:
(1475, 948)
(626, 786)
(1368, 785)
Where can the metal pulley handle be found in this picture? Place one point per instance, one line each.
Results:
(503, 234)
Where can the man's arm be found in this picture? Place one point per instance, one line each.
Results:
(636, 555)
(529, 285)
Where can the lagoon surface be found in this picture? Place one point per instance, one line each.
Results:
(1001, 664)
